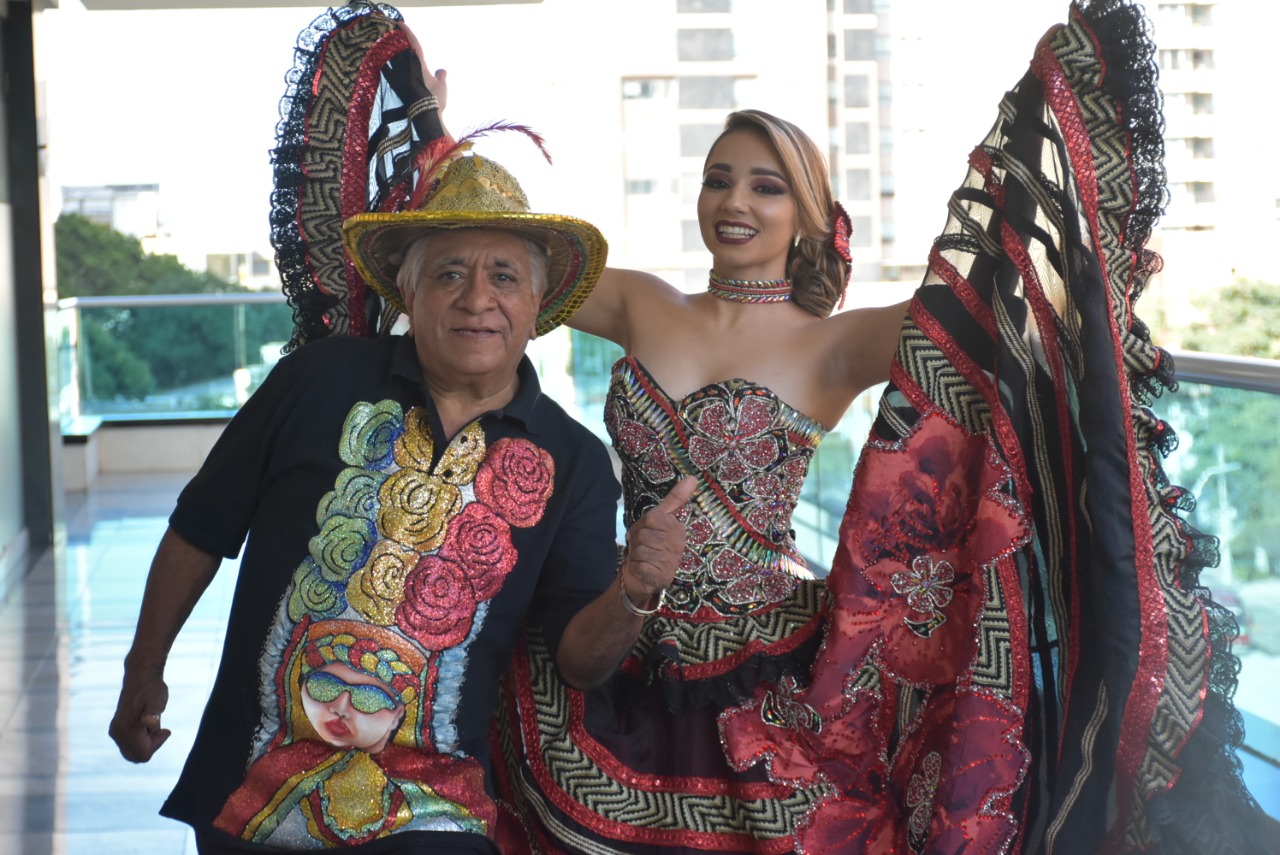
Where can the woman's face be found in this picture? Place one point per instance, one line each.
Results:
(350, 709)
(746, 210)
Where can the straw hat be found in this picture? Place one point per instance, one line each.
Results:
(473, 192)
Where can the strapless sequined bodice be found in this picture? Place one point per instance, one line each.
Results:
(751, 452)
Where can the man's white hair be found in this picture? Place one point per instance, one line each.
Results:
(415, 254)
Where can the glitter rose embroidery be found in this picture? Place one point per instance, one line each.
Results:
(439, 604)
(416, 508)
(516, 480)
(377, 588)
(733, 437)
(479, 541)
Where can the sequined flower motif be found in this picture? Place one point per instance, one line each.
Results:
(925, 519)
(745, 583)
(920, 793)
(927, 589)
(698, 532)
(639, 443)
(480, 542)
(732, 436)
(772, 496)
(956, 772)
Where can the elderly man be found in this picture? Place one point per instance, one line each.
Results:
(407, 502)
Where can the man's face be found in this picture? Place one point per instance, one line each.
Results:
(473, 307)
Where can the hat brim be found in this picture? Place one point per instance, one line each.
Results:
(576, 252)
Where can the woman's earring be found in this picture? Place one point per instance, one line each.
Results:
(796, 242)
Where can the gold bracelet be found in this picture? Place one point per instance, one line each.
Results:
(632, 607)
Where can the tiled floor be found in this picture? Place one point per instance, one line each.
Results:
(64, 789)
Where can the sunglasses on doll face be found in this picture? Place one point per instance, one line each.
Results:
(325, 687)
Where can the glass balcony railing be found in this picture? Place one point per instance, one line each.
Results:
(130, 357)
(1225, 412)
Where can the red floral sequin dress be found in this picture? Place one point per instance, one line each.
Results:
(640, 760)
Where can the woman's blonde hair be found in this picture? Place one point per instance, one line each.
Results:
(818, 274)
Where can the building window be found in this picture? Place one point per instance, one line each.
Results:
(857, 90)
(1201, 192)
(1201, 59)
(859, 45)
(696, 140)
(707, 92)
(1201, 16)
(695, 6)
(704, 45)
(1201, 103)
(857, 7)
(859, 181)
(641, 186)
(691, 236)
(857, 138)
(1200, 147)
(633, 89)
(861, 231)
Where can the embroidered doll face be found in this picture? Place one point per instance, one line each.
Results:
(746, 208)
(351, 709)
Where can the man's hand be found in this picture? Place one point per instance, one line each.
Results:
(136, 725)
(655, 543)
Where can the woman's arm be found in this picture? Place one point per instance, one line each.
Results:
(616, 306)
(865, 344)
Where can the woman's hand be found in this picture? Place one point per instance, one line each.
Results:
(436, 84)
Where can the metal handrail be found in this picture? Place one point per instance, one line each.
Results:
(169, 300)
(1238, 372)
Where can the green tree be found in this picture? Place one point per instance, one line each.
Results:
(1243, 320)
(130, 354)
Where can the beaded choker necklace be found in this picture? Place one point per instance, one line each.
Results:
(749, 290)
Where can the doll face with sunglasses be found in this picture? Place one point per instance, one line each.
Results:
(350, 709)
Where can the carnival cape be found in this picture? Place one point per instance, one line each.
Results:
(355, 114)
(1019, 655)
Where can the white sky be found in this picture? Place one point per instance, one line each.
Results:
(189, 99)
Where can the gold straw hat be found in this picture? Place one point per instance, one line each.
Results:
(473, 192)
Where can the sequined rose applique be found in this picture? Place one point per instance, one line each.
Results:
(516, 480)
(480, 542)
(377, 588)
(439, 604)
(734, 438)
(416, 508)
(925, 518)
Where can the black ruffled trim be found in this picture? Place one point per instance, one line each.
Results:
(1209, 809)
(308, 302)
